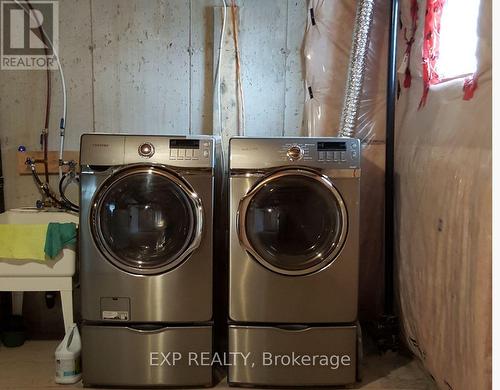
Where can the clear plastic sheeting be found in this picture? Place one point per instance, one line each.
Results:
(443, 219)
(327, 48)
(327, 45)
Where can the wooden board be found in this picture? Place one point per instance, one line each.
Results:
(228, 81)
(53, 157)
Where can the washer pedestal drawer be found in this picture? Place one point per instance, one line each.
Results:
(292, 356)
(146, 356)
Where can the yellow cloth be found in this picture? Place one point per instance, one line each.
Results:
(22, 241)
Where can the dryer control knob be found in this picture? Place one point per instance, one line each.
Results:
(146, 150)
(295, 153)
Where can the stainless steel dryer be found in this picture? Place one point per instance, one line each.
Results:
(293, 269)
(146, 252)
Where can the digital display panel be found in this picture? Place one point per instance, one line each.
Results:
(184, 144)
(332, 146)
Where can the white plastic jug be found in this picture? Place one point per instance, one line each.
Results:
(68, 357)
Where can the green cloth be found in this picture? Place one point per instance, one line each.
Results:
(22, 241)
(59, 235)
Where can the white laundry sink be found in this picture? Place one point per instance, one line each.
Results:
(62, 265)
(56, 274)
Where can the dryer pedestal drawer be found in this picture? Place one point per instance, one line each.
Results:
(271, 356)
(145, 356)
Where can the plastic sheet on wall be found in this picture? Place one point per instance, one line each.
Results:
(327, 44)
(327, 47)
(443, 220)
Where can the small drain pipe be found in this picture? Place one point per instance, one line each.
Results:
(356, 72)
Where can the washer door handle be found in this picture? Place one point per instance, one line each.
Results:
(293, 327)
(147, 328)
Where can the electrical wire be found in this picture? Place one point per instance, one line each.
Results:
(217, 85)
(45, 133)
(217, 92)
(241, 98)
(62, 124)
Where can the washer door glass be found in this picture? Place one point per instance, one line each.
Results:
(145, 220)
(295, 223)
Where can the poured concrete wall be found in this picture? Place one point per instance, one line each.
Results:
(146, 66)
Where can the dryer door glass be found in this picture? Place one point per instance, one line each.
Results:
(144, 221)
(295, 223)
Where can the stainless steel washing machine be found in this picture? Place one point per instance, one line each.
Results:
(293, 268)
(146, 252)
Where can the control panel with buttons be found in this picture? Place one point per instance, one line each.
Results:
(176, 151)
(327, 153)
(338, 151)
(187, 149)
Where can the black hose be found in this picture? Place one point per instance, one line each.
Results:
(73, 206)
(44, 188)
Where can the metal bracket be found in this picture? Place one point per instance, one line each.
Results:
(385, 332)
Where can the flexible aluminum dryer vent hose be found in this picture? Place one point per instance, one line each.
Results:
(356, 72)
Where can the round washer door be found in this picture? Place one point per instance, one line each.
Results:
(146, 219)
(294, 222)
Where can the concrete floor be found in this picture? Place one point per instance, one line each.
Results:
(32, 366)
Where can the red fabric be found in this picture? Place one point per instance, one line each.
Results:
(470, 86)
(410, 41)
(430, 50)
